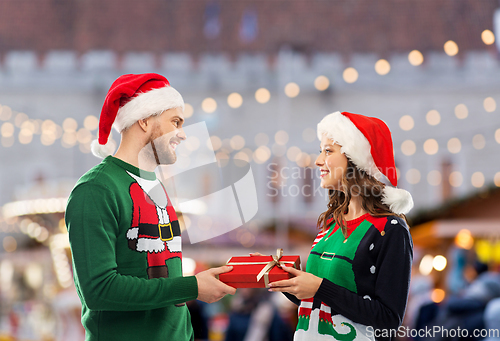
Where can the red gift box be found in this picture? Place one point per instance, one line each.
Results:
(247, 269)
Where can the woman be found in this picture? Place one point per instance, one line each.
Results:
(356, 283)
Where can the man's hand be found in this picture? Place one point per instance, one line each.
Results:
(210, 289)
(303, 285)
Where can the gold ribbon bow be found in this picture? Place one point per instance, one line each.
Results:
(269, 266)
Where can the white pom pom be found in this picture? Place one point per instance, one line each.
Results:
(398, 200)
(102, 151)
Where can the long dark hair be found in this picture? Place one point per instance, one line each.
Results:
(355, 182)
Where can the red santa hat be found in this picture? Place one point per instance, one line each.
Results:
(367, 142)
(132, 98)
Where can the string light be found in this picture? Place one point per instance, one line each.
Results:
(496, 179)
(489, 104)
(408, 147)
(461, 111)
(451, 48)
(262, 154)
(382, 67)
(350, 75)
(488, 37)
(477, 179)
(292, 153)
(7, 129)
(454, 145)
(70, 125)
(262, 95)
(234, 100)
(406, 123)
(321, 83)
(413, 176)
(433, 117)
(431, 147)
(214, 143)
(209, 105)
(20, 118)
(415, 58)
(292, 90)
(91, 122)
(434, 178)
(237, 142)
(281, 137)
(456, 179)
(5, 113)
(188, 110)
(478, 141)
(309, 135)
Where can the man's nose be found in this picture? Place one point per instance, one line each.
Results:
(181, 134)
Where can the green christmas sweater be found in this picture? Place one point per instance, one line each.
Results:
(127, 261)
(366, 279)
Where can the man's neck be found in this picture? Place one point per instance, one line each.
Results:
(133, 159)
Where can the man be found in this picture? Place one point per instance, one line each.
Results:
(124, 233)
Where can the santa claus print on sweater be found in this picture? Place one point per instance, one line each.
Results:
(154, 229)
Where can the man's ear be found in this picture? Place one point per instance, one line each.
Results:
(144, 124)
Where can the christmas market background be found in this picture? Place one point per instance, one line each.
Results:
(259, 75)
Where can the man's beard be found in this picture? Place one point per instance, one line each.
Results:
(157, 150)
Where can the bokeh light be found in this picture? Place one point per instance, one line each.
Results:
(413, 176)
(406, 123)
(434, 178)
(431, 147)
(433, 117)
(487, 37)
(262, 95)
(209, 105)
(477, 179)
(234, 100)
(382, 67)
(350, 75)
(439, 263)
(408, 147)
(415, 58)
(292, 90)
(188, 110)
(454, 145)
(237, 142)
(456, 179)
(91, 122)
(450, 48)
(478, 141)
(321, 83)
(464, 239)
(461, 111)
(489, 104)
(281, 137)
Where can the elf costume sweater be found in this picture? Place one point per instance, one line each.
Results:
(366, 279)
(127, 259)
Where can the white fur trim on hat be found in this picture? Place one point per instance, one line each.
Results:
(150, 103)
(101, 150)
(352, 141)
(398, 200)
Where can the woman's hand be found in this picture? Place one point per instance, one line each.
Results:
(256, 254)
(303, 285)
